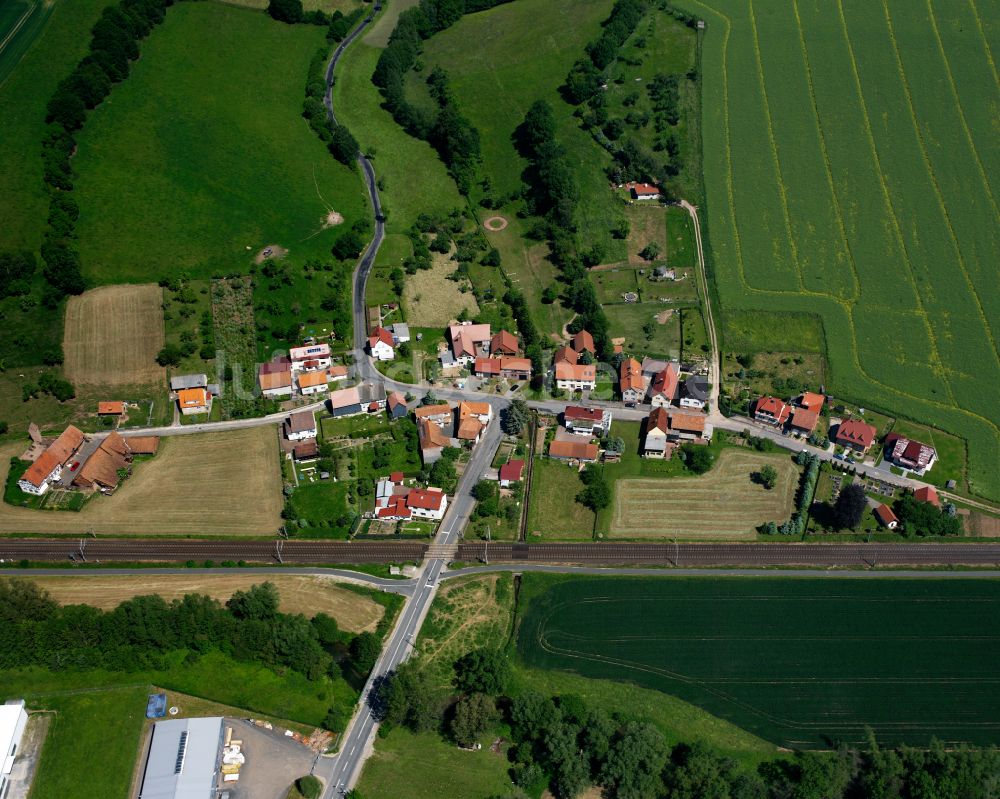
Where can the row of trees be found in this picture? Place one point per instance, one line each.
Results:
(113, 46)
(587, 74)
(562, 744)
(142, 631)
(450, 133)
(552, 193)
(337, 138)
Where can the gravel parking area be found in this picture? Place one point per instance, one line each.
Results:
(273, 762)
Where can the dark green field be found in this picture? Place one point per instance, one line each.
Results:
(802, 662)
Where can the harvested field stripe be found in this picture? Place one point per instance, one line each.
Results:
(826, 157)
(936, 359)
(774, 148)
(986, 45)
(904, 82)
(958, 103)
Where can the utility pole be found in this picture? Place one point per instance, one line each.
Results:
(486, 551)
(279, 545)
(83, 548)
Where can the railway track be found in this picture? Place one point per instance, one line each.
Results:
(108, 550)
(868, 555)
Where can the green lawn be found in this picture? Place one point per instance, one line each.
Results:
(552, 511)
(950, 449)
(611, 284)
(192, 166)
(413, 178)
(424, 766)
(791, 660)
(816, 111)
(94, 726)
(681, 253)
(630, 320)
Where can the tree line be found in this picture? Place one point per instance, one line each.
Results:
(563, 744)
(446, 129)
(141, 633)
(114, 44)
(551, 192)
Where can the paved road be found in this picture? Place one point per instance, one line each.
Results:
(612, 571)
(342, 771)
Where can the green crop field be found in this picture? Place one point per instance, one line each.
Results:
(852, 156)
(203, 153)
(804, 663)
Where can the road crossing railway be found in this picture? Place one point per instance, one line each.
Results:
(110, 550)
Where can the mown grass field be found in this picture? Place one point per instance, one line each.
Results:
(724, 503)
(553, 512)
(803, 663)
(855, 180)
(211, 484)
(299, 594)
(412, 178)
(523, 52)
(112, 334)
(432, 299)
(192, 161)
(425, 766)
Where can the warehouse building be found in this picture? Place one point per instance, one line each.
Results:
(183, 760)
(13, 719)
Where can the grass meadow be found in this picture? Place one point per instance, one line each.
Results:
(523, 52)
(790, 660)
(24, 93)
(854, 182)
(413, 180)
(191, 161)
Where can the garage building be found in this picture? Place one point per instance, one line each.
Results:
(183, 760)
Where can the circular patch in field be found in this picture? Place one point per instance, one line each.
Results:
(495, 223)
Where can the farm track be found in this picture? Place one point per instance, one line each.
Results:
(109, 550)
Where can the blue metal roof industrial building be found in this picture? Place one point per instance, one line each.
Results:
(183, 760)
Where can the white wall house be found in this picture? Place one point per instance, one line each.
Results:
(380, 345)
(310, 358)
(13, 720)
(428, 503)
